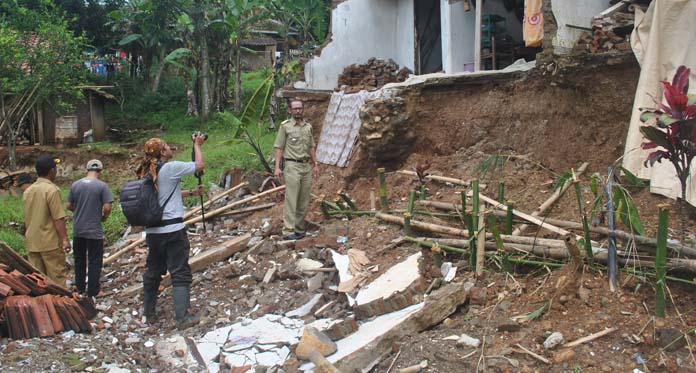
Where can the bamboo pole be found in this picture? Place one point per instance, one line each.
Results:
(383, 201)
(660, 261)
(613, 270)
(235, 204)
(210, 202)
(508, 217)
(475, 210)
(501, 192)
(435, 228)
(431, 244)
(524, 216)
(411, 201)
(442, 179)
(551, 200)
(407, 223)
(481, 244)
(249, 209)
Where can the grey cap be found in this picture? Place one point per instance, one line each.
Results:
(94, 165)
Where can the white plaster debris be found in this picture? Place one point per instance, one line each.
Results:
(306, 308)
(263, 341)
(448, 271)
(305, 264)
(397, 278)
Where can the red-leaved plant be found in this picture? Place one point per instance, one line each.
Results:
(673, 137)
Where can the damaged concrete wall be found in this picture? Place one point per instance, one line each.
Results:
(362, 29)
(573, 13)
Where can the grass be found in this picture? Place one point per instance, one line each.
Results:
(143, 115)
(12, 221)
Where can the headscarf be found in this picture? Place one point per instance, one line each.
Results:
(148, 164)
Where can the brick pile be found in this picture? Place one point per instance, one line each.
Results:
(31, 305)
(608, 33)
(371, 76)
(397, 301)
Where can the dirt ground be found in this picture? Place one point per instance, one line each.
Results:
(548, 122)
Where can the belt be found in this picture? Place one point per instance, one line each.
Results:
(297, 160)
(166, 222)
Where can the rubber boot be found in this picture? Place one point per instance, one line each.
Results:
(182, 296)
(150, 306)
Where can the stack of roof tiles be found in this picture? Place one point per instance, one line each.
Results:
(31, 305)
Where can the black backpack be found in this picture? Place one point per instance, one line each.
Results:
(140, 204)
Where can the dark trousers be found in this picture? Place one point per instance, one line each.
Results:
(88, 254)
(167, 252)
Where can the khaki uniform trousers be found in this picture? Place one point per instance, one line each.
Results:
(51, 263)
(298, 183)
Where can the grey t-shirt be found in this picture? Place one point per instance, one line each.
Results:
(168, 179)
(88, 196)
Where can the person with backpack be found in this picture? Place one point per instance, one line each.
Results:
(167, 241)
(90, 200)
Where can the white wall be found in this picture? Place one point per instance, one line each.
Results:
(458, 28)
(576, 13)
(405, 35)
(362, 29)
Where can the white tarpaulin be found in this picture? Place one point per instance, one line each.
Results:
(341, 125)
(663, 39)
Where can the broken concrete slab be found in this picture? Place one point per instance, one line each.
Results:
(365, 348)
(396, 279)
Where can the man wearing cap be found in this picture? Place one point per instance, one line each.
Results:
(90, 199)
(44, 217)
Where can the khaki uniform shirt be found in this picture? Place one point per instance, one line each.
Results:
(295, 139)
(42, 205)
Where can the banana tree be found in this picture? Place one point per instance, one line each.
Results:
(671, 132)
(249, 125)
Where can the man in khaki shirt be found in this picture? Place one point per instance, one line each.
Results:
(46, 237)
(295, 145)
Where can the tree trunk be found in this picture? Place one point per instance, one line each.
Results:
(192, 110)
(205, 77)
(158, 73)
(238, 79)
(682, 211)
(12, 139)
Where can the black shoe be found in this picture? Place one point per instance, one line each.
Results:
(294, 236)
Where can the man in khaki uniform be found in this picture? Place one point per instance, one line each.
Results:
(46, 237)
(295, 145)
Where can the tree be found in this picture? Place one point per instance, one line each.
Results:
(40, 63)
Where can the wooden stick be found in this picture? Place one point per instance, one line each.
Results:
(249, 209)
(551, 200)
(234, 204)
(442, 179)
(590, 337)
(383, 201)
(481, 244)
(209, 203)
(195, 220)
(532, 354)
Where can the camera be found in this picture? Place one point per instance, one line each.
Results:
(199, 133)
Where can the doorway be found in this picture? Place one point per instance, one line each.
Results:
(428, 37)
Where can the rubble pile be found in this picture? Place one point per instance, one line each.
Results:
(31, 305)
(10, 181)
(371, 76)
(610, 31)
